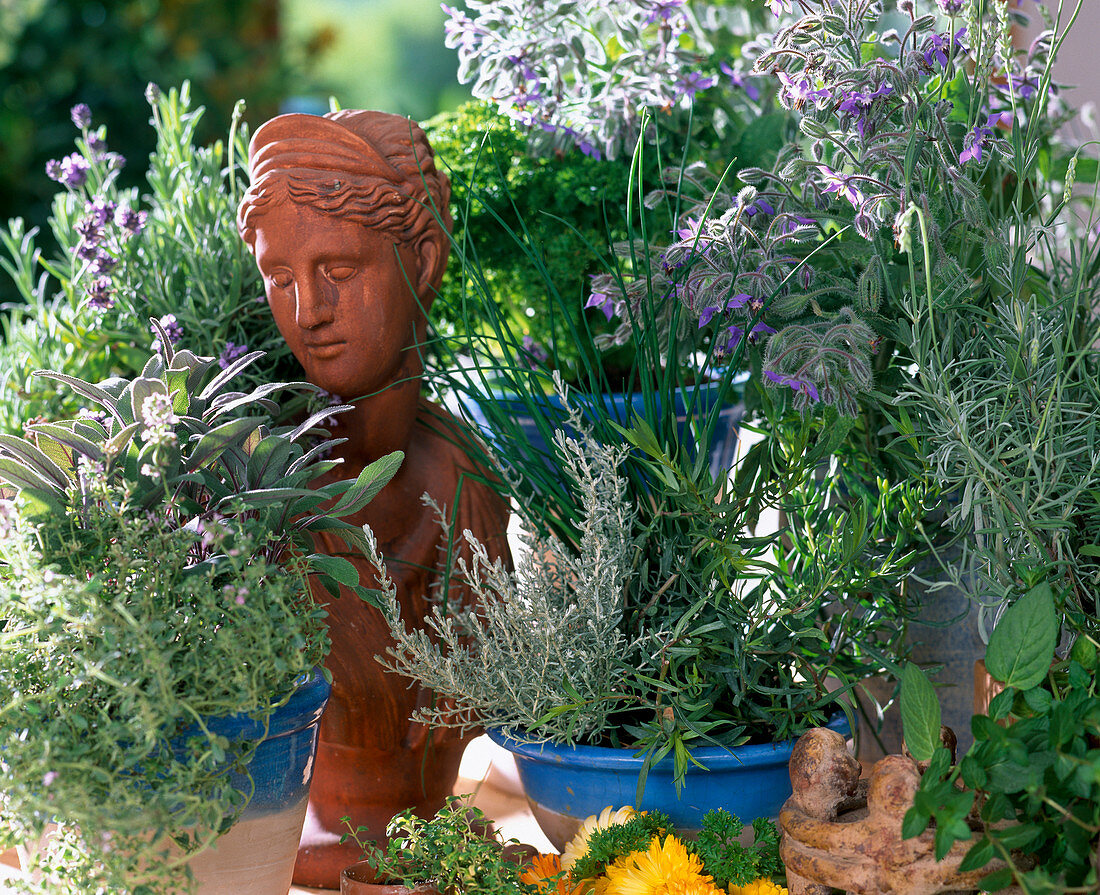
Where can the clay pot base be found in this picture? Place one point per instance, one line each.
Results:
(359, 879)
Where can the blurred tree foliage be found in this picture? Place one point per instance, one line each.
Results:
(56, 53)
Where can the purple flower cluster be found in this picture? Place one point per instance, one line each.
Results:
(230, 353)
(173, 329)
(800, 385)
(980, 136)
(532, 354)
(857, 104)
(942, 49)
(577, 72)
(71, 171)
(103, 228)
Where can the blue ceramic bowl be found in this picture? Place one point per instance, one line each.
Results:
(722, 443)
(566, 784)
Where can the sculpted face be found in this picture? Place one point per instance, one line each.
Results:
(341, 297)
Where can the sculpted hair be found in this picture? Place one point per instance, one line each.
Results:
(372, 168)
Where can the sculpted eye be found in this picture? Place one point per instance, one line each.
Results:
(282, 278)
(340, 273)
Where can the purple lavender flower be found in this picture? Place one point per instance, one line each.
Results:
(89, 229)
(131, 221)
(86, 250)
(115, 162)
(230, 353)
(99, 294)
(100, 211)
(102, 263)
(172, 328)
(740, 81)
(71, 171)
(81, 115)
(950, 7)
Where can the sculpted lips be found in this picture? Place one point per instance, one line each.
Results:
(325, 347)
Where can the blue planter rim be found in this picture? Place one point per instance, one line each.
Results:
(303, 709)
(711, 757)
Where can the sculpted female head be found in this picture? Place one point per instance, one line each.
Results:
(344, 217)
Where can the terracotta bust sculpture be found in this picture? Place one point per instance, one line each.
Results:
(343, 219)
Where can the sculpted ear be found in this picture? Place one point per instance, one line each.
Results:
(432, 255)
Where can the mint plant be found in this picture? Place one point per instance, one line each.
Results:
(1027, 791)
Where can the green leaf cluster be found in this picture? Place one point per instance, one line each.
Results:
(729, 862)
(154, 575)
(1027, 793)
(618, 840)
(457, 851)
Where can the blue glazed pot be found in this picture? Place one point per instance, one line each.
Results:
(256, 855)
(566, 784)
(722, 442)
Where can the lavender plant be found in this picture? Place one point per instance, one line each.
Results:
(172, 255)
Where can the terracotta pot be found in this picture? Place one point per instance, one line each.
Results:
(256, 855)
(985, 688)
(359, 879)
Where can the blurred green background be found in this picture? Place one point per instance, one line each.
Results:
(277, 55)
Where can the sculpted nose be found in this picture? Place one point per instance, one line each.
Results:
(313, 308)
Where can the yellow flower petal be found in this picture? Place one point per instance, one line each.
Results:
(665, 868)
(577, 847)
(760, 886)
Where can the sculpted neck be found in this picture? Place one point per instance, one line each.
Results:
(378, 425)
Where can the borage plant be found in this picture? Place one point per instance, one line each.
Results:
(155, 574)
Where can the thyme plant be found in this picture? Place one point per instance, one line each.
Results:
(155, 557)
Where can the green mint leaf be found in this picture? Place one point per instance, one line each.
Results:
(920, 713)
(980, 854)
(1022, 645)
(914, 823)
(999, 880)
